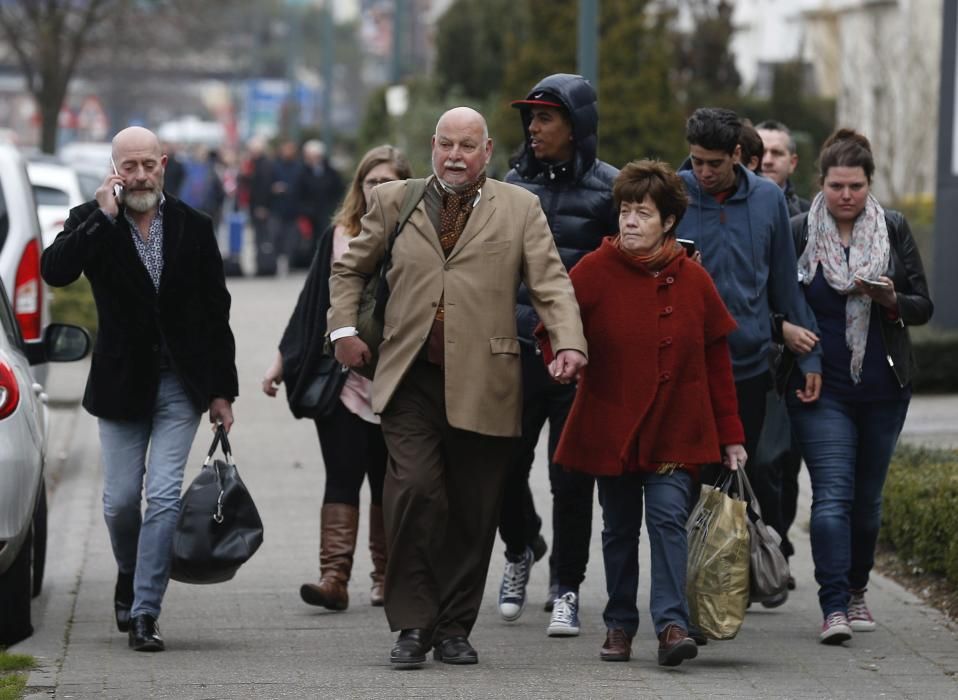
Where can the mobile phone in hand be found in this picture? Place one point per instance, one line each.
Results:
(872, 283)
(117, 189)
(688, 244)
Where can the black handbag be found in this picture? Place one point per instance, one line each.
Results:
(322, 394)
(375, 295)
(218, 527)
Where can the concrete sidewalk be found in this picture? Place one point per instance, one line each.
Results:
(253, 638)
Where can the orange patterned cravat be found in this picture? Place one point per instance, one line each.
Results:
(453, 215)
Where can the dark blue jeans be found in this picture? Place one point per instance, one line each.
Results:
(847, 447)
(666, 505)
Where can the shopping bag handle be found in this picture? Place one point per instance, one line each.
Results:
(752, 500)
(220, 439)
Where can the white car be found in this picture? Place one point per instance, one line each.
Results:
(57, 188)
(23, 431)
(94, 155)
(20, 248)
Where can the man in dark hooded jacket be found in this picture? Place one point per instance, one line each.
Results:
(557, 163)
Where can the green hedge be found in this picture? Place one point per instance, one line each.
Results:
(74, 304)
(920, 510)
(937, 358)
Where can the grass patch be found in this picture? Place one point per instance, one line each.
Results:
(12, 683)
(15, 662)
(74, 304)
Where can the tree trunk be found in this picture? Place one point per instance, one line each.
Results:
(49, 99)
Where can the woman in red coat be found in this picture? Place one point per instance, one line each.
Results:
(656, 401)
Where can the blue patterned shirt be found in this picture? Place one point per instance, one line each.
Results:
(150, 250)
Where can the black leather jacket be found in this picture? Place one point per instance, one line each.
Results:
(911, 288)
(575, 196)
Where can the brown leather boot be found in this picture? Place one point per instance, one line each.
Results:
(338, 524)
(377, 552)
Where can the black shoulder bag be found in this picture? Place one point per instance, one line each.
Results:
(218, 528)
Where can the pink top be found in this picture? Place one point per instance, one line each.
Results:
(357, 392)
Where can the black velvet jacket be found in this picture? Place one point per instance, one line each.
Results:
(187, 320)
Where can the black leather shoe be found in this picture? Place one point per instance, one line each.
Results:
(410, 649)
(145, 634)
(123, 600)
(455, 650)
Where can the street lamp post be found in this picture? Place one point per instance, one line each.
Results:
(588, 46)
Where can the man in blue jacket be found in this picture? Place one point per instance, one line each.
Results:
(739, 221)
(558, 164)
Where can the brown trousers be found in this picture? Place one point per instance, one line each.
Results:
(441, 500)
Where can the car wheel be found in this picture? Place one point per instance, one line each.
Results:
(39, 541)
(15, 597)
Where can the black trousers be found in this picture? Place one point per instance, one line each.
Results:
(353, 449)
(572, 492)
(441, 503)
(788, 467)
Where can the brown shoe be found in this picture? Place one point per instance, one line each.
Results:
(675, 646)
(617, 647)
(377, 552)
(337, 543)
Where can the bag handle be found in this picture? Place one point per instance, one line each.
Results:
(752, 500)
(220, 439)
(415, 190)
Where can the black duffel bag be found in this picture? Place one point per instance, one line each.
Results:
(218, 527)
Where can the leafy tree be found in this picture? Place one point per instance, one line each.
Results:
(640, 113)
(707, 63)
(48, 39)
(117, 44)
(472, 40)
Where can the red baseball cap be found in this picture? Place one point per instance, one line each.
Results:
(541, 98)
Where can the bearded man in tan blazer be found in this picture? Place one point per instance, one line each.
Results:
(447, 382)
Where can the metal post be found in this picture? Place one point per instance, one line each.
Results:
(588, 47)
(944, 281)
(328, 58)
(399, 22)
(294, 36)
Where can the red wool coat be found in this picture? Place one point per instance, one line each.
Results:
(658, 387)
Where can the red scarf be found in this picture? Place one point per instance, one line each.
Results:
(666, 253)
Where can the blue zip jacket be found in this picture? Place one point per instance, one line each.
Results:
(747, 248)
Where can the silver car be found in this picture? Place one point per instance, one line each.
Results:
(23, 431)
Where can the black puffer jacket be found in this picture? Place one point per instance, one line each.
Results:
(576, 196)
(906, 271)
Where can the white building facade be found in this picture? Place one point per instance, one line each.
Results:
(879, 59)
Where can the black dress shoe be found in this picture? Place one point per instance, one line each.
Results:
(455, 650)
(410, 649)
(123, 600)
(145, 634)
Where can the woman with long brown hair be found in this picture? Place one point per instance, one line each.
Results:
(350, 438)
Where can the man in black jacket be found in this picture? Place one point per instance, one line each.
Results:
(164, 353)
(558, 163)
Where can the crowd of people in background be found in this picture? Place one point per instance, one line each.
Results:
(289, 193)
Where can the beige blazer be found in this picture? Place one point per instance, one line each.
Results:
(506, 239)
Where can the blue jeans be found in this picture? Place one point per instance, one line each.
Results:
(847, 447)
(667, 509)
(142, 543)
